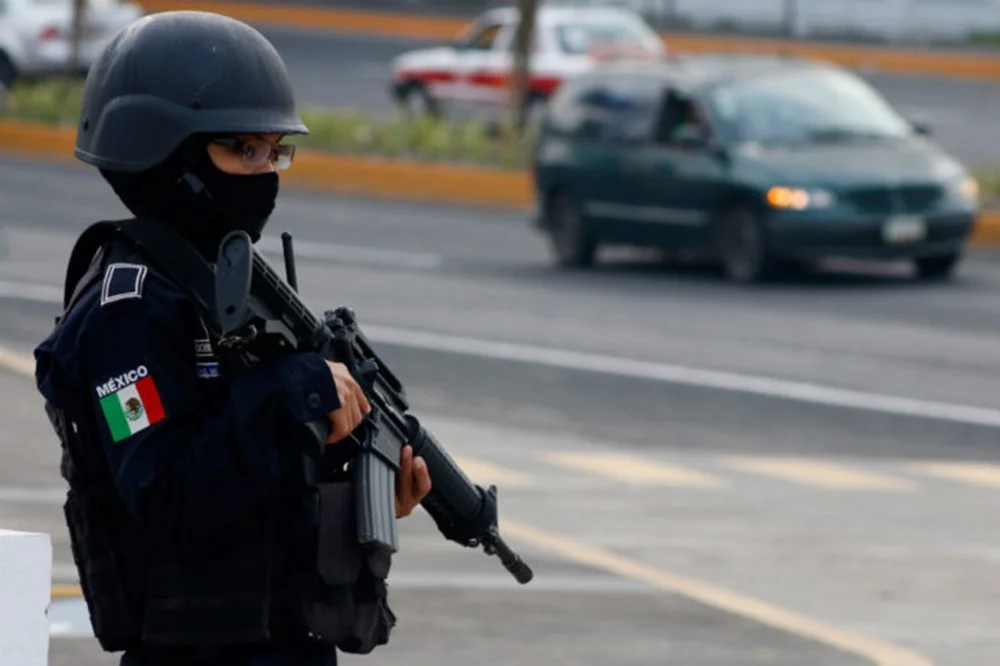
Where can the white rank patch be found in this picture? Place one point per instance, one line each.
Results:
(122, 282)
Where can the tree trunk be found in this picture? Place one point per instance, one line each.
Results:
(75, 37)
(522, 62)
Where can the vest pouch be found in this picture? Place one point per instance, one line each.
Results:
(348, 607)
(90, 522)
(217, 593)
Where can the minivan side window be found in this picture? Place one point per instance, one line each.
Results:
(568, 107)
(635, 110)
(608, 109)
(679, 120)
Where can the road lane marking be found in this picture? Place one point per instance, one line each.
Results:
(633, 470)
(63, 591)
(879, 652)
(17, 363)
(61, 629)
(818, 394)
(975, 474)
(368, 256)
(819, 474)
(481, 471)
(668, 373)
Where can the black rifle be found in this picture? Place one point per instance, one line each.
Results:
(255, 306)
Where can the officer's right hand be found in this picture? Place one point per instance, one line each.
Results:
(353, 403)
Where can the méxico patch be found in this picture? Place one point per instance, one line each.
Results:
(130, 402)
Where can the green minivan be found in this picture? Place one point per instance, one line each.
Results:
(758, 162)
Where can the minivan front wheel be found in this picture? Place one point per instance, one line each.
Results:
(939, 267)
(742, 246)
(572, 245)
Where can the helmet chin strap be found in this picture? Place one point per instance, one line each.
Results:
(196, 185)
(191, 152)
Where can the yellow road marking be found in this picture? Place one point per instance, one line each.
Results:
(762, 612)
(17, 363)
(634, 471)
(976, 474)
(66, 591)
(481, 471)
(822, 474)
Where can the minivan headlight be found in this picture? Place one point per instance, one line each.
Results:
(796, 198)
(966, 188)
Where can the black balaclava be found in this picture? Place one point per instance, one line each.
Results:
(188, 192)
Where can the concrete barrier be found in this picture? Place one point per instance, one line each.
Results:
(25, 579)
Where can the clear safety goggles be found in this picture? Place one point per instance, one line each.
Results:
(258, 152)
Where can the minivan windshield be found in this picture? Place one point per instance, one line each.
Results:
(804, 106)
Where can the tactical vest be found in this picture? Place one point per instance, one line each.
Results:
(322, 586)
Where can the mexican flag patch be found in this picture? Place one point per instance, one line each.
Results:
(130, 403)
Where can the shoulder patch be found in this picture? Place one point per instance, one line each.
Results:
(122, 282)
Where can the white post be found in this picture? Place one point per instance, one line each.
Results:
(25, 591)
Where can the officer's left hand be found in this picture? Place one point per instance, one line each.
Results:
(412, 482)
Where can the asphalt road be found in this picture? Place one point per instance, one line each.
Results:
(658, 513)
(352, 70)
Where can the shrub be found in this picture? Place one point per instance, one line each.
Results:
(345, 131)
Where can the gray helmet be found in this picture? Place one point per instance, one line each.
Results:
(170, 75)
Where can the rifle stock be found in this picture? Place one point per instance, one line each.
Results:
(273, 315)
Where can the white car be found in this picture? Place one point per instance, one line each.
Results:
(473, 73)
(35, 34)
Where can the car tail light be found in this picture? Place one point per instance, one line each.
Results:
(51, 32)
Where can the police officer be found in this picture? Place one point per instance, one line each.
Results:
(187, 508)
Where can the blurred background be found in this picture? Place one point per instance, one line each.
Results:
(708, 288)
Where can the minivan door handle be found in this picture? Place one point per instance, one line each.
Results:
(637, 162)
(645, 164)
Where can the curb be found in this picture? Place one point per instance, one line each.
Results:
(885, 58)
(378, 177)
(374, 176)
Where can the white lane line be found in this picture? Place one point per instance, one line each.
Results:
(677, 374)
(369, 256)
(668, 373)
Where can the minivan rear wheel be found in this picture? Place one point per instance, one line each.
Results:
(7, 71)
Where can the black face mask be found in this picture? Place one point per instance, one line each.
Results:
(192, 195)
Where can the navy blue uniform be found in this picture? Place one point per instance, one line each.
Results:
(193, 453)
